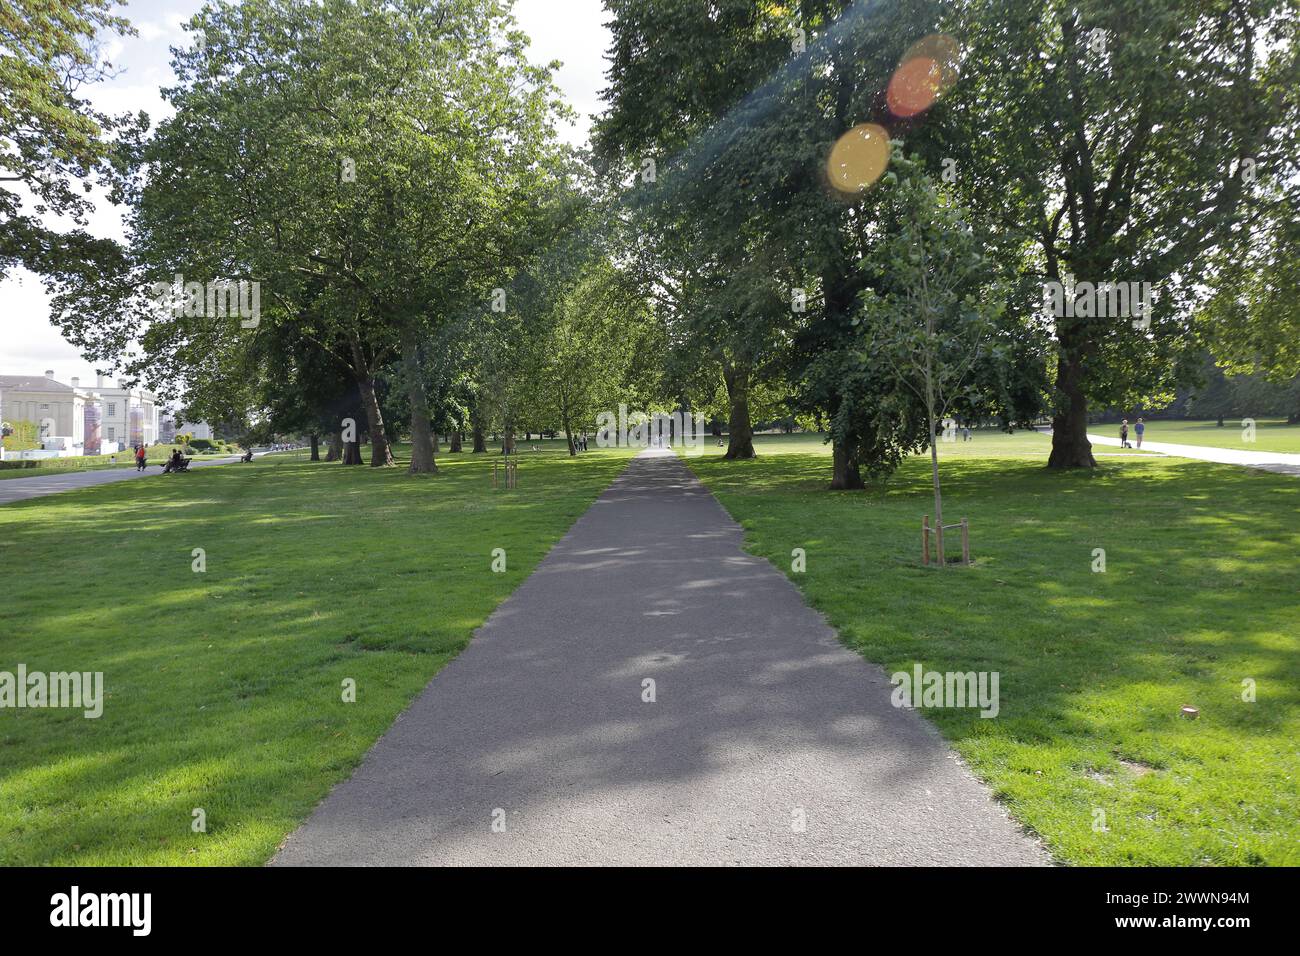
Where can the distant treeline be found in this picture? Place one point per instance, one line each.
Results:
(1222, 395)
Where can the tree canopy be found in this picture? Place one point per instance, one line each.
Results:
(361, 211)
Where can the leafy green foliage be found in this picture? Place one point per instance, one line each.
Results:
(1131, 141)
(53, 145)
(21, 435)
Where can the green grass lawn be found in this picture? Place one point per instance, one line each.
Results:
(223, 688)
(1270, 434)
(1199, 594)
(984, 443)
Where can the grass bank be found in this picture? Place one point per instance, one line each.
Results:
(1090, 749)
(224, 688)
(1273, 434)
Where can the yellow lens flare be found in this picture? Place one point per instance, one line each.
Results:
(928, 69)
(858, 158)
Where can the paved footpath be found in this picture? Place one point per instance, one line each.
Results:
(762, 720)
(20, 489)
(1280, 462)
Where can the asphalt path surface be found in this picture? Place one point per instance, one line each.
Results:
(1282, 463)
(767, 741)
(38, 486)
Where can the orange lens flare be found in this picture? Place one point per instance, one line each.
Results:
(928, 69)
(914, 87)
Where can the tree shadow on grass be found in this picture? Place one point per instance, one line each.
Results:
(230, 679)
(1197, 597)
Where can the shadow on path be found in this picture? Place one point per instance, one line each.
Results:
(762, 722)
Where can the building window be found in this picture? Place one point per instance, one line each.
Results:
(111, 435)
(45, 408)
(112, 410)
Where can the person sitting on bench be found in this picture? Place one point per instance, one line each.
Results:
(177, 462)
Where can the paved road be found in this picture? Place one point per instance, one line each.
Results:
(20, 489)
(1276, 461)
(760, 715)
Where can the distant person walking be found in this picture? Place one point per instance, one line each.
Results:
(141, 460)
(1138, 429)
(1123, 434)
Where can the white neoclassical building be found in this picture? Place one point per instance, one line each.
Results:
(128, 416)
(57, 410)
(74, 419)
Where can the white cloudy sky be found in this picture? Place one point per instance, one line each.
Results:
(568, 30)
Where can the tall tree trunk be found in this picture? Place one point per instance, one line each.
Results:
(477, 426)
(315, 447)
(740, 444)
(380, 452)
(423, 441)
(352, 452)
(845, 474)
(508, 441)
(1070, 445)
(841, 283)
(456, 439)
(335, 452)
(565, 424)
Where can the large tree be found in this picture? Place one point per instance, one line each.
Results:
(585, 357)
(741, 105)
(1128, 140)
(374, 167)
(722, 302)
(1252, 322)
(676, 68)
